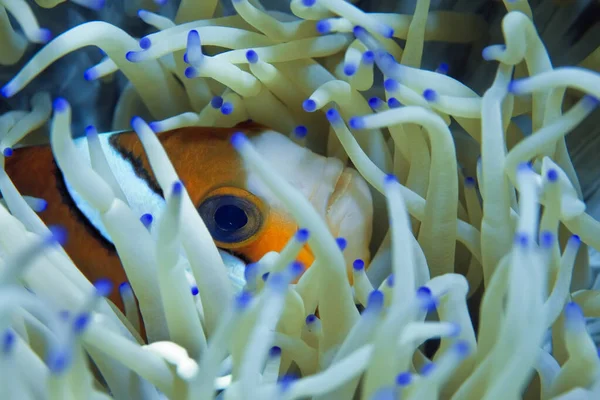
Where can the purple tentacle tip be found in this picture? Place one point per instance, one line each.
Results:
(552, 175)
(7, 152)
(60, 104)
(575, 239)
(342, 243)
(470, 181)
(311, 318)
(195, 290)
(308, 3)
(238, 140)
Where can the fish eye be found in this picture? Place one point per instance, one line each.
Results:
(233, 217)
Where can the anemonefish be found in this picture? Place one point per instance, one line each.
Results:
(241, 214)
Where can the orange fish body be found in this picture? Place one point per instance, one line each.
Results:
(239, 212)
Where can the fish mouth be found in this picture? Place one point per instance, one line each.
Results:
(240, 256)
(235, 264)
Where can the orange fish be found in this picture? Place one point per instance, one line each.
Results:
(243, 217)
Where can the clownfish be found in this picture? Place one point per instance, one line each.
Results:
(242, 216)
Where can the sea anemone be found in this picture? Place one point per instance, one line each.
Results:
(479, 287)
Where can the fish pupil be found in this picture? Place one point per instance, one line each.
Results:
(230, 217)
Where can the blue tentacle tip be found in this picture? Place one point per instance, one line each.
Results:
(44, 35)
(58, 234)
(394, 103)
(6, 92)
(243, 300)
(349, 69)
(103, 287)
(302, 235)
(333, 116)
(177, 188)
(358, 265)
(430, 95)
(309, 105)
(357, 123)
(216, 102)
(513, 86)
(238, 140)
(226, 108)
(323, 26)
(145, 43)
(60, 104)
(375, 299)
(252, 56)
